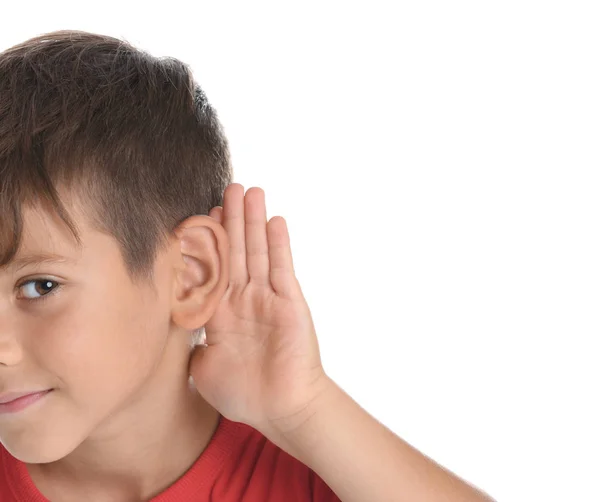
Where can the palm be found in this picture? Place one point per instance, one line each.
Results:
(262, 354)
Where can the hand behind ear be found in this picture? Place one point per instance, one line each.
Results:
(261, 364)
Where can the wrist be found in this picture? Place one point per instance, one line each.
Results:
(300, 433)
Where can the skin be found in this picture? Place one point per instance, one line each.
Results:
(262, 366)
(116, 355)
(118, 374)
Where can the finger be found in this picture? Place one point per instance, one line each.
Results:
(282, 274)
(233, 222)
(216, 213)
(257, 246)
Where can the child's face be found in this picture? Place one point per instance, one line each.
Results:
(96, 340)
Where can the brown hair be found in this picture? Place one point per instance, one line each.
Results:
(131, 136)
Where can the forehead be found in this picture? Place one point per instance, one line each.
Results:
(44, 229)
(41, 230)
(42, 249)
(46, 239)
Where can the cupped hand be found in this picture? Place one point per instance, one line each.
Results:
(261, 364)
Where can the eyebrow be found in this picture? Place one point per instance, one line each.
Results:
(36, 259)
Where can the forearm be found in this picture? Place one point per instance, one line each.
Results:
(360, 459)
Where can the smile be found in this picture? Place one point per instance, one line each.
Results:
(22, 402)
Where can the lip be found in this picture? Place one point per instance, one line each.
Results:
(12, 402)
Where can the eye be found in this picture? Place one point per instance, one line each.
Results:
(42, 286)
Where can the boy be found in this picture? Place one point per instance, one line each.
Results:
(121, 234)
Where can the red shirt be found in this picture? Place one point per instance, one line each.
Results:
(238, 465)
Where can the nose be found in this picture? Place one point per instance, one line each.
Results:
(11, 352)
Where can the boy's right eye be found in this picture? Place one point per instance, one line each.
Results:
(42, 286)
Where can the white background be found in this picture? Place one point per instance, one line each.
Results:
(437, 164)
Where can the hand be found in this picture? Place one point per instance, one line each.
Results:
(261, 364)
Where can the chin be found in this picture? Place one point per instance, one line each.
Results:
(35, 449)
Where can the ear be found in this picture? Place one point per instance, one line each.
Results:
(201, 272)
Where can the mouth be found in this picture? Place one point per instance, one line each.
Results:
(12, 403)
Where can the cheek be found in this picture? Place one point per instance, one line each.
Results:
(104, 349)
